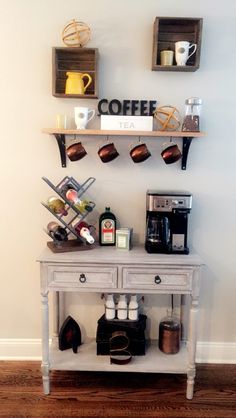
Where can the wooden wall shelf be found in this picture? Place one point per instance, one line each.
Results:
(60, 135)
(75, 59)
(167, 31)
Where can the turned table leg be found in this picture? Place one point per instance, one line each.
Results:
(45, 344)
(192, 340)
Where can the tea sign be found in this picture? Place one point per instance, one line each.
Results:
(127, 115)
(127, 123)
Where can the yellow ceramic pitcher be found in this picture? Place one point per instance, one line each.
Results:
(75, 82)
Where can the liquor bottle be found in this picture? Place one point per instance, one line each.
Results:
(133, 308)
(82, 228)
(110, 311)
(107, 228)
(122, 307)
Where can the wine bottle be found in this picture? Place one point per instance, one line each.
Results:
(82, 228)
(107, 228)
(57, 206)
(81, 205)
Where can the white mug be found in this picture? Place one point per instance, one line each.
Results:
(82, 116)
(182, 49)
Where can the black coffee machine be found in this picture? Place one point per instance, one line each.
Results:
(167, 222)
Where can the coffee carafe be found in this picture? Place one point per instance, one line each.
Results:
(158, 232)
(167, 222)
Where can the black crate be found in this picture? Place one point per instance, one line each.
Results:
(136, 348)
(134, 329)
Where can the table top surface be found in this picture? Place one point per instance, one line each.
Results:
(113, 255)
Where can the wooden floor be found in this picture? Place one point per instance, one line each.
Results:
(90, 394)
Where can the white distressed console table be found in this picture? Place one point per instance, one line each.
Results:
(110, 270)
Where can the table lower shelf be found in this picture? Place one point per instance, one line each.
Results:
(86, 359)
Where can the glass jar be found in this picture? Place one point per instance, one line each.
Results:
(169, 333)
(191, 121)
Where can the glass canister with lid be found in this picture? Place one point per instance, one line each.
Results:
(191, 120)
(169, 333)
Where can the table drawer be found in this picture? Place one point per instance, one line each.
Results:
(157, 279)
(82, 277)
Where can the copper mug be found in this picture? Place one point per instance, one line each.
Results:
(171, 153)
(108, 152)
(76, 151)
(139, 152)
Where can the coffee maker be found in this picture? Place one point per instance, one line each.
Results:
(167, 222)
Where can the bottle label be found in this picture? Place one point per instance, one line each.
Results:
(108, 231)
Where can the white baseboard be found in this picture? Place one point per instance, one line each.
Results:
(212, 352)
(30, 349)
(20, 349)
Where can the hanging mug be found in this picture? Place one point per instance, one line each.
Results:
(76, 151)
(108, 152)
(139, 152)
(75, 82)
(182, 54)
(171, 153)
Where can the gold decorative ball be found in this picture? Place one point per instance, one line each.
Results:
(76, 33)
(168, 118)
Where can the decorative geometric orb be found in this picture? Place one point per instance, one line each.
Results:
(168, 118)
(76, 33)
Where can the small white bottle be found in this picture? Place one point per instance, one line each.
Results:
(133, 308)
(110, 311)
(122, 308)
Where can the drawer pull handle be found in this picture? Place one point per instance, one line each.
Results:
(82, 278)
(157, 279)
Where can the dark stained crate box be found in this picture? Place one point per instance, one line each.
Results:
(167, 31)
(83, 60)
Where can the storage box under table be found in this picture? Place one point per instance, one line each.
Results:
(135, 331)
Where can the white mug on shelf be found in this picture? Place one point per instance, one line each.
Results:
(182, 54)
(82, 116)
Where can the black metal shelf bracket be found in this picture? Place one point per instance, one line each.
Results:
(62, 148)
(186, 145)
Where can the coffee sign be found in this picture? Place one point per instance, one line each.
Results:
(127, 107)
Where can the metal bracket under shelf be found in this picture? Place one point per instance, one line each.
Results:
(185, 150)
(186, 145)
(62, 148)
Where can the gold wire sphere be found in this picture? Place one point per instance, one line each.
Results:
(168, 118)
(76, 33)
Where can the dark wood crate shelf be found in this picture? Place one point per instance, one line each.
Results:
(167, 31)
(74, 59)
